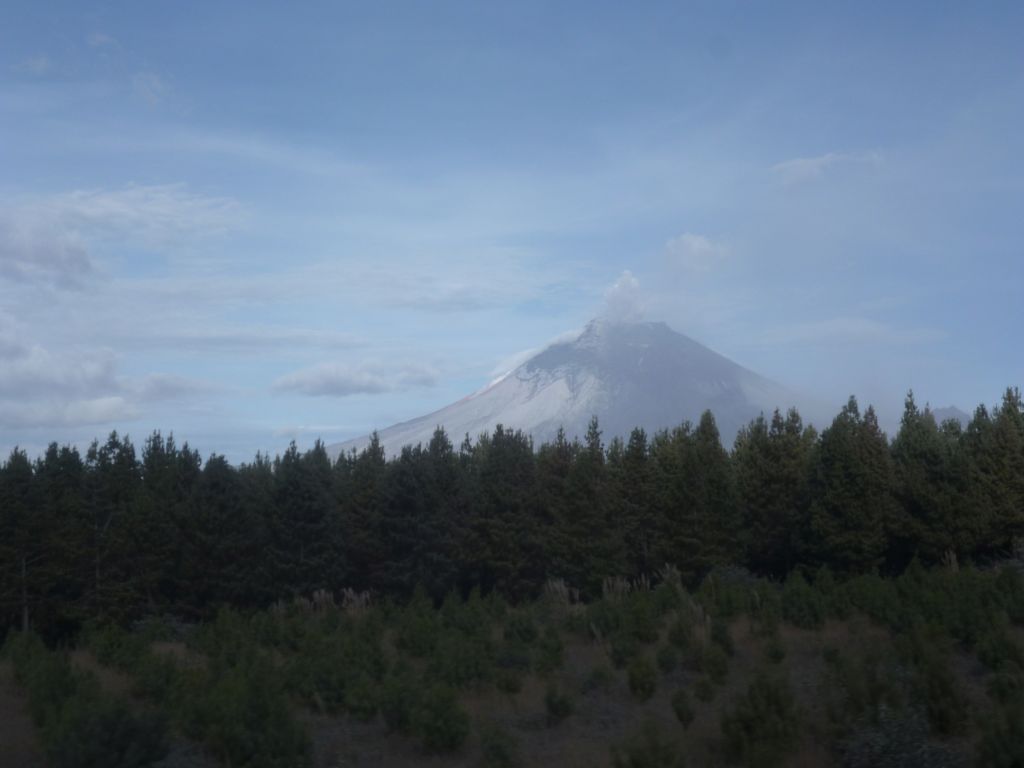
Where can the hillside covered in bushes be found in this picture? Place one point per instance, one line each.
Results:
(803, 599)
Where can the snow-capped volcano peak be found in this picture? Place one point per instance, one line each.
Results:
(628, 374)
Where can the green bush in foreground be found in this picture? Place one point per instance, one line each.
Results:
(498, 747)
(441, 724)
(762, 727)
(681, 706)
(668, 658)
(243, 715)
(105, 734)
(80, 725)
(558, 705)
(399, 698)
(643, 678)
(647, 748)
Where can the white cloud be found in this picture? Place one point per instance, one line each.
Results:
(37, 65)
(244, 341)
(61, 413)
(694, 253)
(623, 301)
(849, 330)
(36, 372)
(43, 387)
(49, 240)
(335, 380)
(31, 252)
(167, 386)
(100, 40)
(801, 170)
(149, 87)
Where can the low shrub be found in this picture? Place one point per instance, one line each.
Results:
(361, 697)
(459, 660)
(720, 636)
(647, 748)
(558, 705)
(682, 707)
(440, 722)
(1001, 745)
(623, 647)
(399, 698)
(762, 727)
(104, 732)
(704, 690)
(550, 653)
(643, 678)
(79, 724)
(802, 605)
(498, 747)
(521, 629)
(714, 662)
(774, 650)
(668, 658)
(680, 633)
(240, 711)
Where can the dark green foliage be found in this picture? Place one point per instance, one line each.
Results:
(774, 650)
(154, 677)
(460, 660)
(399, 698)
(550, 653)
(771, 477)
(682, 707)
(1007, 685)
(440, 723)
(80, 725)
(802, 605)
(864, 686)
(997, 649)
(521, 628)
(852, 508)
(557, 703)
(361, 694)
(512, 662)
(647, 748)
(714, 662)
(668, 658)
(704, 689)
(104, 734)
(762, 727)
(643, 677)
(498, 747)
(933, 683)
(623, 648)
(115, 535)
(240, 712)
(720, 636)
(680, 633)
(918, 537)
(1001, 745)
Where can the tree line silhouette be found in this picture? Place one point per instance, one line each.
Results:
(117, 534)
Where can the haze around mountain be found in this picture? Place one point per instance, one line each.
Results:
(625, 372)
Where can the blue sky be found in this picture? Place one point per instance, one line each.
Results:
(247, 223)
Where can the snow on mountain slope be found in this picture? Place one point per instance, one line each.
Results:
(626, 374)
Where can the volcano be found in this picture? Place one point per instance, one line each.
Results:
(637, 374)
